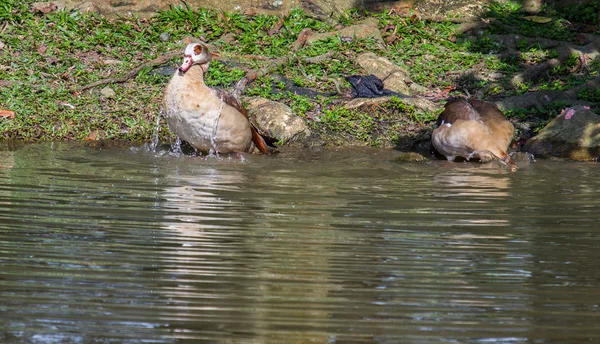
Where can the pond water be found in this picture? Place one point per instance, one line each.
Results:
(123, 245)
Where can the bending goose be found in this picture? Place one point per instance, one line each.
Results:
(471, 128)
(207, 118)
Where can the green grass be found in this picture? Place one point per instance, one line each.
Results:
(47, 57)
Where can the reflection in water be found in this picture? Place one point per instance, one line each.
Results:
(242, 270)
(320, 246)
(6, 159)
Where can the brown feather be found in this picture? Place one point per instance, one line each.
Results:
(458, 108)
(260, 142)
(257, 138)
(470, 128)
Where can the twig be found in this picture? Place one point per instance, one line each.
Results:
(442, 19)
(275, 29)
(4, 27)
(301, 40)
(157, 61)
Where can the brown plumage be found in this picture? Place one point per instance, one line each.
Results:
(206, 118)
(473, 129)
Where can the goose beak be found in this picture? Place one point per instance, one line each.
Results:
(187, 63)
(506, 160)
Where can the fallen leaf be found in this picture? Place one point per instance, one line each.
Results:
(45, 7)
(250, 12)
(2, 45)
(65, 104)
(538, 19)
(41, 49)
(440, 94)
(92, 136)
(7, 114)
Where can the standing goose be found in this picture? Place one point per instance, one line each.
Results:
(206, 118)
(471, 128)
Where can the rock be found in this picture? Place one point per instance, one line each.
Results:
(276, 120)
(380, 66)
(108, 92)
(366, 29)
(394, 77)
(422, 104)
(47, 7)
(397, 82)
(165, 36)
(410, 157)
(574, 134)
(419, 103)
(228, 38)
(360, 102)
(418, 89)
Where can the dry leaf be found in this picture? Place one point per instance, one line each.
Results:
(250, 12)
(41, 49)
(92, 136)
(7, 114)
(45, 7)
(65, 104)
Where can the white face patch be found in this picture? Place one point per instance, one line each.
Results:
(190, 56)
(195, 53)
(189, 50)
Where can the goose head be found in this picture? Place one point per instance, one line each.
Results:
(195, 54)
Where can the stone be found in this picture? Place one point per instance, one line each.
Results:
(108, 92)
(276, 120)
(165, 36)
(418, 89)
(394, 77)
(47, 7)
(419, 103)
(365, 102)
(410, 157)
(366, 29)
(397, 82)
(422, 104)
(574, 134)
(380, 66)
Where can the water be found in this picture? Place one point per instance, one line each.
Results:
(120, 245)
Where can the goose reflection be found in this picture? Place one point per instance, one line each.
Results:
(234, 262)
(475, 183)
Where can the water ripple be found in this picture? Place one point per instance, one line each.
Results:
(343, 246)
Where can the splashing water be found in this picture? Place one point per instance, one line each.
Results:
(176, 147)
(154, 143)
